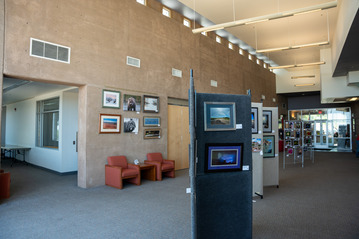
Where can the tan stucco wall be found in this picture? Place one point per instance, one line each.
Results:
(101, 34)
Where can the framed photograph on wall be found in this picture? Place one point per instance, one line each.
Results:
(152, 134)
(268, 146)
(132, 103)
(256, 144)
(151, 104)
(267, 121)
(131, 125)
(111, 99)
(254, 119)
(223, 157)
(110, 124)
(219, 116)
(151, 121)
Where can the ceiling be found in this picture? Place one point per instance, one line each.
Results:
(297, 30)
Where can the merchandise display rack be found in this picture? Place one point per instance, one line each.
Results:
(298, 139)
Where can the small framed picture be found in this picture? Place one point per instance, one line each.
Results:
(132, 103)
(219, 116)
(151, 104)
(254, 118)
(111, 99)
(223, 157)
(130, 125)
(256, 144)
(151, 121)
(152, 134)
(268, 146)
(267, 121)
(110, 124)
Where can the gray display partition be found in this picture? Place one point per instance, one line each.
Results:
(224, 199)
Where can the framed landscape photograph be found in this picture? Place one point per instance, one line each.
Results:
(132, 103)
(256, 144)
(111, 99)
(151, 104)
(223, 157)
(219, 116)
(254, 119)
(131, 125)
(268, 146)
(110, 124)
(151, 121)
(152, 134)
(267, 121)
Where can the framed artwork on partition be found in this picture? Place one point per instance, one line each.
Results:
(151, 104)
(151, 121)
(111, 99)
(132, 103)
(152, 134)
(290, 151)
(219, 116)
(131, 125)
(268, 146)
(267, 121)
(254, 119)
(256, 144)
(223, 157)
(110, 124)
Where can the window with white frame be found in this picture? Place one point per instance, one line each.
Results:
(47, 123)
(218, 39)
(187, 22)
(166, 12)
(143, 2)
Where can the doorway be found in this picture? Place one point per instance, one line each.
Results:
(321, 134)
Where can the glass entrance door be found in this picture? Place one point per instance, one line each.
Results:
(321, 134)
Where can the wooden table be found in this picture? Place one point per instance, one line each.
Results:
(148, 171)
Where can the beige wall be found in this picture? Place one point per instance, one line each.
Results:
(101, 34)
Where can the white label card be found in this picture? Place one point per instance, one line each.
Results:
(245, 167)
(239, 126)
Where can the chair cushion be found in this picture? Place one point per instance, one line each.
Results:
(129, 172)
(166, 166)
(120, 161)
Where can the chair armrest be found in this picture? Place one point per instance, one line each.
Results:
(153, 163)
(113, 169)
(169, 161)
(133, 166)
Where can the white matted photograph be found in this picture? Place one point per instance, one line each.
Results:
(130, 125)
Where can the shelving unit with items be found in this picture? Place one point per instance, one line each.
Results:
(293, 142)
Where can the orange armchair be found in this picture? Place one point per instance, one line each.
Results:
(118, 169)
(4, 184)
(165, 166)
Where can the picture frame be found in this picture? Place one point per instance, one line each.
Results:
(221, 157)
(131, 125)
(290, 151)
(268, 146)
(219, 116)
(110, 124)
(151, 104)
(150, 121)
(267, 121)
(111, 99)
(132, 103)
(254, 119)
(256, 144)
(152, 134)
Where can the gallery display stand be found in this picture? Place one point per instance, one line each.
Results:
(270, 154)
(223, 199)
(257, 152)
(298, 143)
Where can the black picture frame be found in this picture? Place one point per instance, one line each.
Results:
(219, 116)
(268, 146)
(254, 120)
(222, 157)
(267, 121)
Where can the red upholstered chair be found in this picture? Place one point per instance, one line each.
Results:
(4, 184)
(167, 167)
(118, 169)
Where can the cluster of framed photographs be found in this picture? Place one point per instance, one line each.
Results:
(111, 123)
(267, 121)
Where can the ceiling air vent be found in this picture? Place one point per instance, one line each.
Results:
(50, 51)
(131, 61)
(177, 73)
